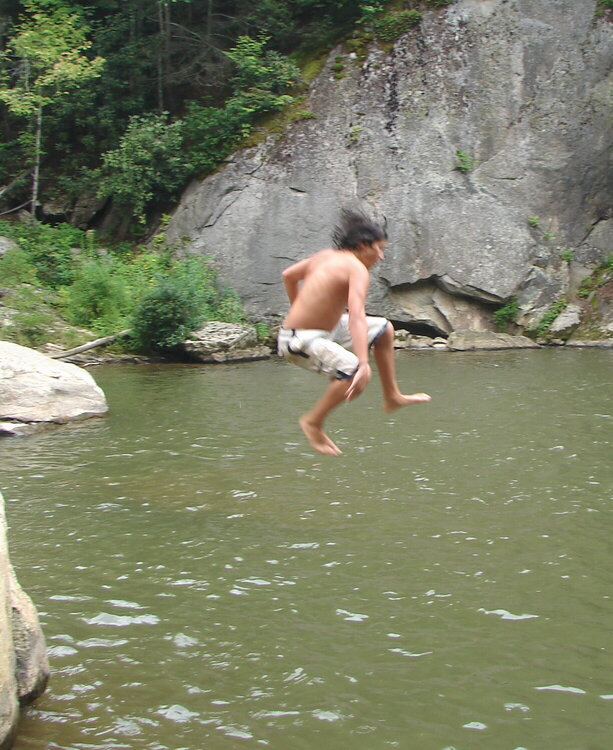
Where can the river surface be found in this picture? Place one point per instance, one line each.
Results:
(206, 581)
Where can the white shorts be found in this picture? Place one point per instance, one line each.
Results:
(326, 352)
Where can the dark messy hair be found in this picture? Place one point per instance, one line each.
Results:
(355, 227)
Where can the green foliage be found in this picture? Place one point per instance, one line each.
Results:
(605, 3)
(49, 250)
(31, 327)
(16, 268)
(49, 45)
(338, 67)
(260, 80)
(181, 300)
(370, 10)
(464, 162)
(108, 290)
(259, 69)
(533, 221)
(566, 255)
(149, 162)
(165, 316)
(97, 298)
(548, 318)
(506, 314)
(601, 276)
(392, 25)
(263, 331)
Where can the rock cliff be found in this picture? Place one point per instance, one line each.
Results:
(483, 135)
(24, 669)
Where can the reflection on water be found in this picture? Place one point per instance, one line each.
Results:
(205, 580)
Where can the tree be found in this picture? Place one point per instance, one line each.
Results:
(43, 62)
(148, 162)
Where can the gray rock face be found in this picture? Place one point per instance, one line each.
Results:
(224, 342)
(566, 321)
(522, 87)
(6, 244)
(35, 388)
(464, 341)
(24, 669)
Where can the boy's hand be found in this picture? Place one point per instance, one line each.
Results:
(360, 381)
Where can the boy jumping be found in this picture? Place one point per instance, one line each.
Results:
(317, 333)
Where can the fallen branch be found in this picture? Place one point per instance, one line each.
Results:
(90, 345)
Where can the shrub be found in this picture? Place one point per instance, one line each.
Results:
(31, 327)
(49, 250)
(97, 298)
(165, 316)
(506, 314)
(16, 268)
(183, 297)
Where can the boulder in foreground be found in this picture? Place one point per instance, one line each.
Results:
(24, 669)
(35, 389)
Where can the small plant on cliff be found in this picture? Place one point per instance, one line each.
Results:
(600, 277)
(464, 162)
(533, 221)
(392, 25)
(548, 318)
(566, 255)
(506, 315)
(338, 67)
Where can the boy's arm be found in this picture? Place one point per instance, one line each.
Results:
(292, 276)
(358, 328)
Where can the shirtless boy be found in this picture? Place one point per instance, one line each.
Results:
(318, 335)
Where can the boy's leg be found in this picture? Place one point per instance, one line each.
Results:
(312, 422)
(386, 365)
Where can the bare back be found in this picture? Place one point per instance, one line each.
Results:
(323, 294)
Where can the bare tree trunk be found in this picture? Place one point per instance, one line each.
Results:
(37, 158)
(90, 345)
(160, 57)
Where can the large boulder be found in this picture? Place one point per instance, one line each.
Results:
(35, 389)
(521, 89)
(24, 669)
(218, 342)
(466, 341)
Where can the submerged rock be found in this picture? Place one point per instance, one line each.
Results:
(35, 389)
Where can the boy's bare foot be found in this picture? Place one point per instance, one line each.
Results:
(318, 438)
(391, 404)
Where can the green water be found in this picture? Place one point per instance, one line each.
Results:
(206, 581)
